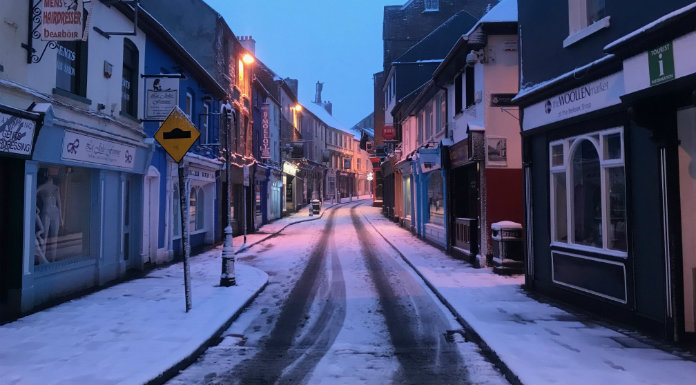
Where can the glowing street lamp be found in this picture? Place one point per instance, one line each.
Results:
(298, 107)
(248, 59)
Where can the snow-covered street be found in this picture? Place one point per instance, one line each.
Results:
(341, 307)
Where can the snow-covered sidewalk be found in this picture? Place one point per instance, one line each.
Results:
(137, 331)
(537, 342)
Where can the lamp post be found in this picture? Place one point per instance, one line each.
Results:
(227, 278)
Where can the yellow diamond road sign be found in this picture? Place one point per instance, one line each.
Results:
(177, 134)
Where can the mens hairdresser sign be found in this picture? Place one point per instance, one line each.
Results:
(593, 96)
(63, 20)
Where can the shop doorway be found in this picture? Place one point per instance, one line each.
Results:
(151, 216)
(11, 196)
(686, 126)
(465, 218)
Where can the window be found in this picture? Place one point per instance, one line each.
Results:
(583, 13)
(432, 5)
(129, 82)
(359, 164)
(188, 106)
(196, 209)
(458, 94)
(428, 121)
(588, 191)
(442, 116)
(71, 67)
(205, 135)
(435, 199)
(63, 206)
(469, 87)
(420, 128)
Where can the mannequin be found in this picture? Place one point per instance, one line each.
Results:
(49, 193)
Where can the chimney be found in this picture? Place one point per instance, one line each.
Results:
(292, 83)
(328, 107)
(248, 43)
(317, 96)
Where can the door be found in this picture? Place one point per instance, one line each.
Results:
(686, 123)
(151, 216)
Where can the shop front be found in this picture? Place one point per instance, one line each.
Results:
(293, 188)
(82, 207)
(597, 191)
(465, 160)
(430, 196)
(659, 73)
(405, 172)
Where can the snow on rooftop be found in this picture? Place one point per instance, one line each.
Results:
(504, 11)
(650, 26)
(323, 115)
(526, 90)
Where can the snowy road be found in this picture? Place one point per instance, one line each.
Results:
(341, 307)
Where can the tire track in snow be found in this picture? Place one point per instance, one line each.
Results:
(415, 323)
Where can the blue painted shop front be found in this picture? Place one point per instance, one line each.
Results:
(163, 242)
(82, 206)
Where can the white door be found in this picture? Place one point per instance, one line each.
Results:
(151, 216)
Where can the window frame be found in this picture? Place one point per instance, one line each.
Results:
(431, 5)
(470, 92)
(458, 94)
(579, 27)
(130, 107)
(569, 145)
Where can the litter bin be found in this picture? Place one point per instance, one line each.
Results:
(316, 206)
(507, 247)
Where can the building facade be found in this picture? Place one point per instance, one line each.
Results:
(606, 131)
(77, 157)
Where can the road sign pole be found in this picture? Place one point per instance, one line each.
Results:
(185, 239)
(176, 135)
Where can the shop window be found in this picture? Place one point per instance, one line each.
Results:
(129, 81)
(407, 196)
(63, 206)
(435, 199)
(588, 191)
(71, 67)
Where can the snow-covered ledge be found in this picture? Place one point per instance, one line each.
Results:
(587, 31)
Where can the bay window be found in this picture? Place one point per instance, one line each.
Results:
(588, 191)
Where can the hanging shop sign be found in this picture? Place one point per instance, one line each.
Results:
(90, 149)
(290, 168)
(601, 93)
(388, 132)
(63, 20)
(161, 96)
(266, 128)
(16, 135)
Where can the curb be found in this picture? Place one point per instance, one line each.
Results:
(211, 341)
(471, 333)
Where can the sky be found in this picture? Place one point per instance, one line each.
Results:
(336, 42)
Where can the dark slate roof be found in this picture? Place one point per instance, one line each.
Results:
(438, 43)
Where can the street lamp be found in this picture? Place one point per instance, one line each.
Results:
(227, 278)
